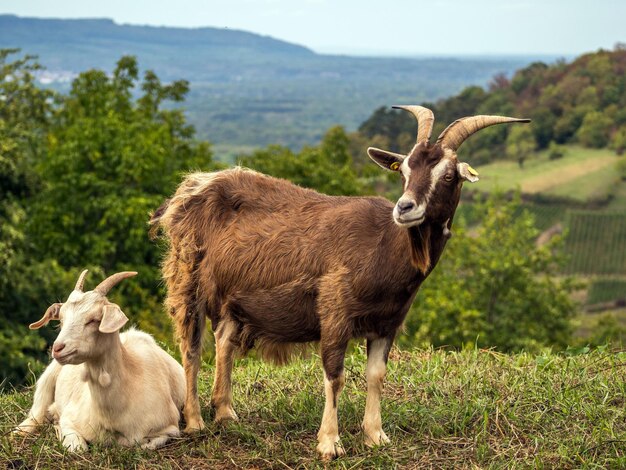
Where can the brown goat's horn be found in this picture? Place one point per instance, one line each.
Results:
(105, 286)
(81, 281)
(456, 133)
(425, 120)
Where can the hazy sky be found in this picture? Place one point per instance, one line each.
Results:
(439, 27)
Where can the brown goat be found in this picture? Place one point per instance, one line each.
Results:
(274, 265)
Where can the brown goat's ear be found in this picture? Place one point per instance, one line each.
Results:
(387, 160)
(52, 313)
(467, 172)
(113, 319)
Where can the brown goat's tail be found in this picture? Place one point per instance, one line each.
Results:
(155, 219)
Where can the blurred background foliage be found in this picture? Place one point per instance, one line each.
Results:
(81, 171)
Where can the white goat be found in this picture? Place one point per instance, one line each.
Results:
(102, 385)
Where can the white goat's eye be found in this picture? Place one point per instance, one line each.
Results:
(93, 321)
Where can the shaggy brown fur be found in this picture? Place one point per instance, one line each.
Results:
(288, 265)
(273, 265)
(270, 255)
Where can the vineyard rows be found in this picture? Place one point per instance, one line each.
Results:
(595, 243)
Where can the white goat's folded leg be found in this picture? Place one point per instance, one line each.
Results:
(44, 397)
(72, 440)
(159, 440)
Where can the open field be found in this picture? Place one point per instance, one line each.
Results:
(582, 175)
(440, 409)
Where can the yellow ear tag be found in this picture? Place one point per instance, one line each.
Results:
(394, 166)
(472, 171)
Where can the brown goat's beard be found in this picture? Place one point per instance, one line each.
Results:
(420, 247)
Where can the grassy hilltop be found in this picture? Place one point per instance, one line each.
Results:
(476, 408)
(583, 175)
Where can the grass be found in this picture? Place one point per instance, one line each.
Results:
(474, 409)
(582, 175)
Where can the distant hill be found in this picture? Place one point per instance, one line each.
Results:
(248, 89)
(198, 54)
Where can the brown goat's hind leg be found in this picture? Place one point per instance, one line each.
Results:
(328, 436)
(377, 354)
(225, 349)
(191, 329)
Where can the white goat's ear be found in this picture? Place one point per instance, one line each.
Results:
(52, 313)
(113, 319)
(467, 172)
(385, 159)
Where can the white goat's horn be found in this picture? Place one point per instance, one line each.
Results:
(105, 286)
(81, 281)
(456, 133)
(425, 120)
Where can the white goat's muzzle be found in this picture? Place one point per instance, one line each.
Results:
(407, 213)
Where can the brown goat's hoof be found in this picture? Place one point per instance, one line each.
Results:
(194, 425)
(225, 414)
(376, 438)
(329, 450)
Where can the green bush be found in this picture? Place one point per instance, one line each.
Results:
(556, 151)
(494, 287)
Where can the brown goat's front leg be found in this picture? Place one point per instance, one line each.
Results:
(333, 353)
(191, 329)
(377, 354)
(224, 357)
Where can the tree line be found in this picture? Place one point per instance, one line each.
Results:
(581, 102)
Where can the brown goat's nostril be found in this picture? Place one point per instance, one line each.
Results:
(405, 206)
(58, 347)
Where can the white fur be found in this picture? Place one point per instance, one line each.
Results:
(112, 387)
(375, 374)
(436, 173)
(328, 445)
(406, 172)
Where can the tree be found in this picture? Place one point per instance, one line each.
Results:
(520, 143)
(111, 160)
(494, 287)
(390, 123)
(326, 168)
(566, 126)
(618, 142)
(556, 151)
(27, 282)
(595, 130)
(543, 126)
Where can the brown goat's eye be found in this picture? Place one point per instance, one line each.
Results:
(448, 177)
